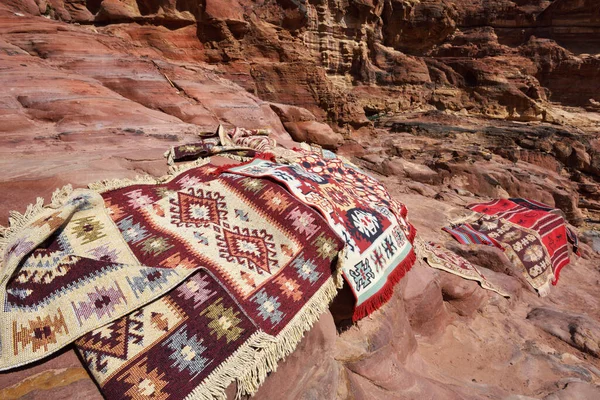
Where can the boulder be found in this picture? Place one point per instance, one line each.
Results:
(314, 132)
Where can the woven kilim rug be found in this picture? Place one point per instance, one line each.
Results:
(235, 142)
(534, 237)
(536, 205)
(248, 282)
(373, 226)
(441, 258)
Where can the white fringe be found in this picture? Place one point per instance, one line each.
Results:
(17, 221)
(177, 169)
(259, 355)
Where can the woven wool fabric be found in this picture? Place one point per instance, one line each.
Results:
(99, 257)
(73, 272)
(536, 205)
(441, 258)
(547, 222)
(237, 143)
(257, 139)
(192, 151)
(378, 238)
(466, 234)
(533, 236)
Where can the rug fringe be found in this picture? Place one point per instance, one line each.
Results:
(423, 254)
(338, 274)
(387, 291)
(112, 184)
(170, 156)
(177, 169)
(544, 289)
(469, 217)
(287, 340)
(60, 196)
(17, 222)
(260, 354)
(412, 234)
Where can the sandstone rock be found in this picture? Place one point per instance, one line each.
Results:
(568, 203)
(314, 132)
(394, 166)
(312, 365)
(493, 259)
(418, 172)
(350, 149)
(576, 391)
(592, 238)
(117, 10)
(424, 301)
(61, 377)
(417, 26)
(463, 297)
(287, 113)
(579, 331)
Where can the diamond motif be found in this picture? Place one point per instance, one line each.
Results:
(254, 248)
(199, 209)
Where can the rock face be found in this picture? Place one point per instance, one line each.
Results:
(345, 61)
(448, 102)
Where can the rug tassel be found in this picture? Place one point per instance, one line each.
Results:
(170, 156)
(18, 221)
(260, 355)
(60, 196)
(113, 184)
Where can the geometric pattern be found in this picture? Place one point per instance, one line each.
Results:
(198, 209)
(38, 333)
(252, 248)
(163, 286)
(533, 236)
(548, 222)
(251, 275)
(357, 207)
(98, 257)
(168, 348)
(440, 258)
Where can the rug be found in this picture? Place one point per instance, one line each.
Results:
(378, 239)
(533, 236)
(441, 258)
(99, 263)
(237, 143)
(466, 234)
(536, 205)
(549, 223)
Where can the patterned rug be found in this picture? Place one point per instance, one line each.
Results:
(441, 258)
(177, 287)
(237, 142)
(247, 286)
(533, 235)
(378, 238)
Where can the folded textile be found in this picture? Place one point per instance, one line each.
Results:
(373, 226)
(536, 205)
(247, 286)
(237, 142)
(441, 258)
(533, 235)
(466, 234)
(546, 221)
(179, 286)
